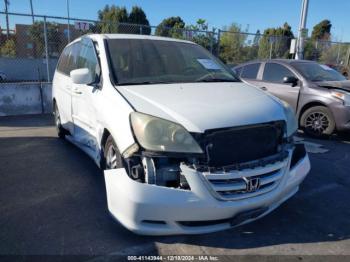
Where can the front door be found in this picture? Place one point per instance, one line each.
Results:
(83, 109)
(272, 81)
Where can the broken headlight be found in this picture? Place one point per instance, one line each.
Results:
(292, 124)
(160, 135)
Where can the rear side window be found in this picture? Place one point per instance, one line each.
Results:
(275, 72)
(250, 71)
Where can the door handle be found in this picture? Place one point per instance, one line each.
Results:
(263, 88)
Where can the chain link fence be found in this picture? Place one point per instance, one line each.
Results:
(30, 49)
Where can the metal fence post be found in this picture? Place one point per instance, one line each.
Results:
(338, 54)
(270, 56)
(68, 22)
(218, 50)
(46, 51)
(212, 34)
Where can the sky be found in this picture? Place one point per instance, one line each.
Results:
(254, 14)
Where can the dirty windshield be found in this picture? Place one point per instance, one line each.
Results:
(145, 61)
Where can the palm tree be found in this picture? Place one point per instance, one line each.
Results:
(7, 3)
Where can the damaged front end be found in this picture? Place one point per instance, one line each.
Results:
(165, 191)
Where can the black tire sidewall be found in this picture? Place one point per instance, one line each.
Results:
(331, 127)
(60, 131)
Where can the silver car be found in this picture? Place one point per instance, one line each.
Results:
(319, 95)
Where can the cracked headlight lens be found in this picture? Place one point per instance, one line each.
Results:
(160, 135)
(292, 124)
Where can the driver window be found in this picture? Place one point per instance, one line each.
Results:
(275, 73)
(87, 58)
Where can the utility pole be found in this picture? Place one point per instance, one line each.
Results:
(33, 21)
(7, 19)
(31, 9)
(46, 52)
(302, 30)
(68, 32)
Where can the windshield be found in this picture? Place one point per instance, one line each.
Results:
(317, 73)
(144, 61)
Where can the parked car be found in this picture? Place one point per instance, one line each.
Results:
(318, 94)
(187, 147)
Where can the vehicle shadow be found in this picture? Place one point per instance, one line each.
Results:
(53, 201)
(341, 136)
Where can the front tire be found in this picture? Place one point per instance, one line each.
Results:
(318, 121)
(112, 158)
(61, 132)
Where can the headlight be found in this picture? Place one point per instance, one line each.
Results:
(292, 124)
(156, 134)
(345, 97)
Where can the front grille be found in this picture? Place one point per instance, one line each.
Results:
(236, 145)
(233, 185)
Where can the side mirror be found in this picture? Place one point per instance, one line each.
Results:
(81, 76)
(290, 80)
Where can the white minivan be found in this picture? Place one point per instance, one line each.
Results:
(186, 146)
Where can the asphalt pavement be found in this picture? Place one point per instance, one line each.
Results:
(53, 201)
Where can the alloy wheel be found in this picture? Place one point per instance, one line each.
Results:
(111, 157)
(317, 122)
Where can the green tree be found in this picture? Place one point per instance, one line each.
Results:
(171, 27)
(110, 17)
(115, 19)
(199, 34)
(232, 43)
(8, 49)
(54, 36)
(333, 54)
(319, 41)
(322, 31)
(251, 52)
(275, 42)
(138, 16)
(310, 52)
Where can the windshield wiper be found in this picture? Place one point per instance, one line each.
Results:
(143, 83)
(216, 80)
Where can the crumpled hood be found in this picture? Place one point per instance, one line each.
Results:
(202, 106)
(344, 85)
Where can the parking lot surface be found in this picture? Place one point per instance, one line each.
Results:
(53, 201)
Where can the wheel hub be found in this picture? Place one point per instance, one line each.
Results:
(317, 122)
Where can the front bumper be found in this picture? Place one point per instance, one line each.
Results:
(155, 210)
(341, 115)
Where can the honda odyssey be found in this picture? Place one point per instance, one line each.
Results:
(186, 147)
